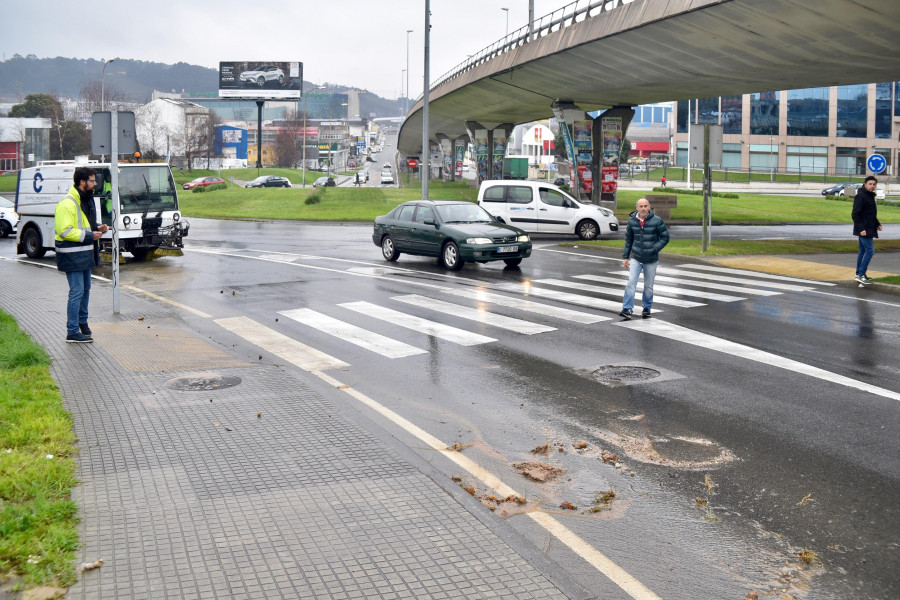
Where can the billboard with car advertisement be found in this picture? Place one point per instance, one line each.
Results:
(264, 80)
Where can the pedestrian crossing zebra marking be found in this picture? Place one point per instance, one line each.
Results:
(289, 349)
(769, 284)
(566, 314)
(475, 314)
(444, 332)
(616, 292)
(348, 332)
(670, 289)
(530, 290)
(747, 273)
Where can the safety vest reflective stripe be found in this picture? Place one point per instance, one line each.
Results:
(70, 249)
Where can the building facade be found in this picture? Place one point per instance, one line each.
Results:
(815, 131)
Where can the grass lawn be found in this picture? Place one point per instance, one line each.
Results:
(336, 203)
(758, 209)
(741, 247)
(38, 522)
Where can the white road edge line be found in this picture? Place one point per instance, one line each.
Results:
(591, 555)
(704, 340)
(855, 298)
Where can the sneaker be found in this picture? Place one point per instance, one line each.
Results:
(865, 279)
(859, 279)
(626, 313)
(646, 313)
(78, 338)
(85, 330)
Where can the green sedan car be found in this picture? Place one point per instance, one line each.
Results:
(453, 231)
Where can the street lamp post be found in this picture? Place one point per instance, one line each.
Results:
(405, 101)
(506, 10)
(102, 89)
(321, 87)
(771, 160)
(406, 97)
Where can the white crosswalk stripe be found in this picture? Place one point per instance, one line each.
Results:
(668, 289)
(281, 345)
(762, 283)
(363, 338)
(746, 273)
(444, 332)
(529, 306)
(705, 285)
(530, 290)
(657, 299)
(475, 314)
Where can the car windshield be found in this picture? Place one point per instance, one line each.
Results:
(463, 213)
(198, 180)
(261, 179)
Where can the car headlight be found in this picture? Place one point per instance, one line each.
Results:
(479, 241)
(605, 212)
(523, 238)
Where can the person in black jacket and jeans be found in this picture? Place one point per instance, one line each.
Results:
(645, 236)
(866, 226)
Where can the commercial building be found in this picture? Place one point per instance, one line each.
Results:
(815, 131)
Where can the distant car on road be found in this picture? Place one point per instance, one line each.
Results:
(324, 182)
(453, 231)
(260, 76)
(387, 177)
(842, 189)
(203, 182)
(370, 159)
(9, 219)
(269, 181)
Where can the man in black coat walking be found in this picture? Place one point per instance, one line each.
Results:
(866, 226)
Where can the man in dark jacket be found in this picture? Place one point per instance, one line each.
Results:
(865, 226)
(77, 250)
(645, 236)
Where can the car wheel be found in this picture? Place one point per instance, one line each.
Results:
(388, 250)
(281, 80)
(450, 257)
(5, 229)
(587, 230)
(840, 193)
(287, 184)
(512, 262)
(261, 82)
(34, 247)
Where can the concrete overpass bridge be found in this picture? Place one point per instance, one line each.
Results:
(603, 54)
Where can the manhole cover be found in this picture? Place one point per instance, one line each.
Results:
(203, 384)
(623, 375)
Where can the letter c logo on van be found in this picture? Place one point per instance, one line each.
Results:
(38, 178)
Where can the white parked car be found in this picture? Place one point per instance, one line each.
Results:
(539, 207)
(8, 217)
(262, 75)
(879, 193)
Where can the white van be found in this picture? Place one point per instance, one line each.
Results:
(539, 207)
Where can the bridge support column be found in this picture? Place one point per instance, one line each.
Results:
(608, 135)
(490, 141)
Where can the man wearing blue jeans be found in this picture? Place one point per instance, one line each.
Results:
(77, 250)
(645, 236)
(866, 226)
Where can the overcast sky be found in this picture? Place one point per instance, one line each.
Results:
(349, 42)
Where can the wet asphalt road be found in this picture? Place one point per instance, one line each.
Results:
(793, 461)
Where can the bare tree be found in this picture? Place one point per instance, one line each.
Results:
(92, 98)
(195, 132)
(289, 139)
(152, 131)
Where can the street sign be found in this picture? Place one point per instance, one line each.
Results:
(413, 163)
(876, 163)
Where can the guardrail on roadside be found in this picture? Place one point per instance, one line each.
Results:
(560, 18)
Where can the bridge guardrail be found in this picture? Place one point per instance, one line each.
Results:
(572, 13)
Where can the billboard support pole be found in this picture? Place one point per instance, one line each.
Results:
(259, 107)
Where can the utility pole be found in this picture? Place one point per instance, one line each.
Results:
(426, 149)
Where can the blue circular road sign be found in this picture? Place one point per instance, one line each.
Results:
(876, 163)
